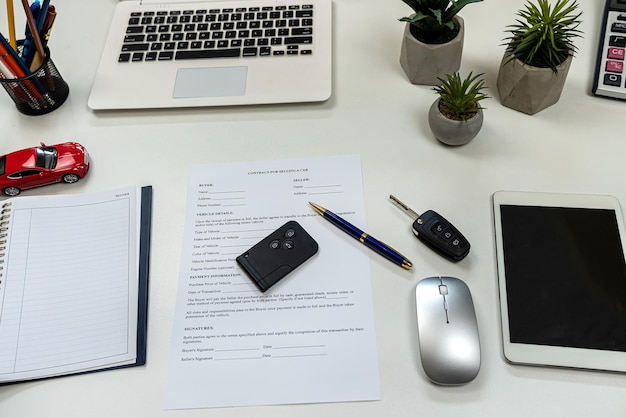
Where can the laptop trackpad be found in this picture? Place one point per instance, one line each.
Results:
(210, 82)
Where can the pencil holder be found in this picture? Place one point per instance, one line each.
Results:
(40, 92)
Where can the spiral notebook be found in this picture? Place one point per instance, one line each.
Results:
(73, 283)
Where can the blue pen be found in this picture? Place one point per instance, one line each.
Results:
(42, 15)
(39, 20)
(364, 238)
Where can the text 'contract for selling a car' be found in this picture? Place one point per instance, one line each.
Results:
(309, 338)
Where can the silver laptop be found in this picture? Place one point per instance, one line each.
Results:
(234, 52)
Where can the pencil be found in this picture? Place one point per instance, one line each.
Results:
(31, 86)
(41, 54)
(11, 59)
(11, 19)
(10, 70)
(5, 70)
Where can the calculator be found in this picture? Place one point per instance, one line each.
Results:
(610, 78)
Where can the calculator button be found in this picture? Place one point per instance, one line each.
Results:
(613, 66)
(613, 80)
(616, 53)
(618, 27)
(618, 41)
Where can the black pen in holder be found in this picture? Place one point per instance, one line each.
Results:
(40, 92)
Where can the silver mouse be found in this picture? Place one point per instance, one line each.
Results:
(447, 329)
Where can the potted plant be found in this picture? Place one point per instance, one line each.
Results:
(538, 55)
(457, 116)
(432, 44)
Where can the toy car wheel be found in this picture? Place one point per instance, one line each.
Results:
(71, 178)
(11, 191)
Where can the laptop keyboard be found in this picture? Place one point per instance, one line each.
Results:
(263, 31)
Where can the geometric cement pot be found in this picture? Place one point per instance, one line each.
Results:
(453, 132)
(530, 89)
(423, 63)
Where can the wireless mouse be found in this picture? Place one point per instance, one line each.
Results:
(447, 329)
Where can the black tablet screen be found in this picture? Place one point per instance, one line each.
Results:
(565, 277)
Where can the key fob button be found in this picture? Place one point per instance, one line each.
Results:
(457, 243)
(438, 228)
(275, 244)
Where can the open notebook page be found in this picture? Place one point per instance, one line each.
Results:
(68, 295)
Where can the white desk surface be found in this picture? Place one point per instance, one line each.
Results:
(578, 145)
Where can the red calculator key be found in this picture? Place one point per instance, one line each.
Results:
(615, 66)
(616, 53)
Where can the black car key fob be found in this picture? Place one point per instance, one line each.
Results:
(437, 233)
(277, 255)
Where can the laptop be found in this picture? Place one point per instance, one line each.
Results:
(187, 53)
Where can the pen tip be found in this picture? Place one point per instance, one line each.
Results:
(317, 208)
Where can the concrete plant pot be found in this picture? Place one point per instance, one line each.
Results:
(423, 63)
(530, 89)
(453, 132)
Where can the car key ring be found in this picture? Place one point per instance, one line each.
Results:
(436, 232)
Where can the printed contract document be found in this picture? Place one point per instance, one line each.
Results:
(309, 338)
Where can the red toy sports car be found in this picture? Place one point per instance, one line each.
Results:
(38, 166)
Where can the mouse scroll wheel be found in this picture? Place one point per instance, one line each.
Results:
(443, 289)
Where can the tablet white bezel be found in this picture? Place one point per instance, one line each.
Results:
(549, 355)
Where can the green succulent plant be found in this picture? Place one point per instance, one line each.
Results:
(432, 21)
(543, 35)
(459, 98)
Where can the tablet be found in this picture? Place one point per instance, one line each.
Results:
(562, 279)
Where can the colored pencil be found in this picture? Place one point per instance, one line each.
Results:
(11, 19)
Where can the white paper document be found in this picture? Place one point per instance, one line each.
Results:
(310, 338)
